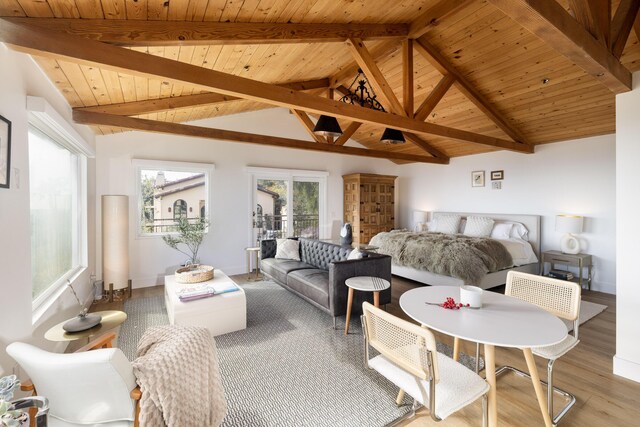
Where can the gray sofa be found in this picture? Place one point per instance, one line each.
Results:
(319, 277)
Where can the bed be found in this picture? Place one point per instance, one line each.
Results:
(525, 255)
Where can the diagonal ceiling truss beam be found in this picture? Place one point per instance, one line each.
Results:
(101, 119)
(190, 33)
(550, 22)
(304, 118)
(164, 104)
(621, 25)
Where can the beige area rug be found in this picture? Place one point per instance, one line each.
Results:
(588, 310)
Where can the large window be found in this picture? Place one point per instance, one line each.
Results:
(168, 191)
(58, 202)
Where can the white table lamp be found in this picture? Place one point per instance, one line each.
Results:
(570, 225)
(420, 219)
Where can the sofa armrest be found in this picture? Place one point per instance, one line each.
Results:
(376, 265)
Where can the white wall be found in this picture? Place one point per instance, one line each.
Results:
(570, 177)
(627, 359)
(150, 257)
(19, 77)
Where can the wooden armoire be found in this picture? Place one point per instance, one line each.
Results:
(369, 204)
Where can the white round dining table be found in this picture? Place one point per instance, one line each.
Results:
(502, 321)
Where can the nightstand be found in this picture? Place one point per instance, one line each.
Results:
(578, 260)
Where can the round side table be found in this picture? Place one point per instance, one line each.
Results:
(110, 320)
(256, 252)
(366, 284)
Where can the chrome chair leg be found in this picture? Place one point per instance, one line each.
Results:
(550, 387)
(571, 399)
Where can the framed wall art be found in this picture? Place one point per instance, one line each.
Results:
(497, 175)
(477, 179)
(5, 152)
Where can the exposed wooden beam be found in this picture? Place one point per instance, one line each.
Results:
(594, 15)
(407, 77)
(164, 104)
(349, 71)
(443, 65)
(100, 119)
(434, 97)
(190, 33)
(424, 145)
(551, 23)
(36, 41)
(621, 25)
(433, 16)
(636, 26)
(376, 78)
(303, 117)
(347, 133)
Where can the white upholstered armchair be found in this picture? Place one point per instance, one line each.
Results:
(95, 388)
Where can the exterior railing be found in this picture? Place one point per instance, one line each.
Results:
(164, 225)
(276, 226)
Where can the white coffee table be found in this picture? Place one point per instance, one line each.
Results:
(366, 284)
(220, 314)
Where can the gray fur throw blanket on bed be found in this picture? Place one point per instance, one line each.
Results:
(455, 255)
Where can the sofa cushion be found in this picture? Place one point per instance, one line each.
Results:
(278, 268)
(313, 283)
(322, 254)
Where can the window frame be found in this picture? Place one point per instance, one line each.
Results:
(167, 165)
(44, 119)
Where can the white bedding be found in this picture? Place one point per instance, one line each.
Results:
(520, 250)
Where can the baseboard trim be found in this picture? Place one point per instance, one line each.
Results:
(626, 368)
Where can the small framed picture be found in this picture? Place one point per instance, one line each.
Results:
(5, 152)
(477, 179)
(497, 175)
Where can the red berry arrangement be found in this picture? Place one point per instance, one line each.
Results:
(451, 304)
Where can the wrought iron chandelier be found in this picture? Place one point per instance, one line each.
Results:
(363, 95)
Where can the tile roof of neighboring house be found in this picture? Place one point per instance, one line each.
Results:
(177, 181)
(264, 190)
(178, 189)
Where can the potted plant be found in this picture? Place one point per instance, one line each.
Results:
(9, 416)
(190, 236)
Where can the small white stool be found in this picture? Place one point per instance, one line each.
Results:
(256, 252)
(367, 284)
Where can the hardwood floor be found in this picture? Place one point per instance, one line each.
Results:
(603, 399)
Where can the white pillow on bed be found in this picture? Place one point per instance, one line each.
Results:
(501, 231)
(448, 224)
(478, 226)
(518, 231)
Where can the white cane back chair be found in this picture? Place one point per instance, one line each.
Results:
(562, 299)
(409, 359)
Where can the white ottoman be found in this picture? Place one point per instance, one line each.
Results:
(220, 314)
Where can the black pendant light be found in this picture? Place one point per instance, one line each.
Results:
(327, 126)
(392, 136)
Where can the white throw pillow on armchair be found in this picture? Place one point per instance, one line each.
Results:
(288, 249)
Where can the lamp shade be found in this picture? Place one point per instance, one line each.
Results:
(569, 223)
(327, 126)
(392, 136)
(115, 240)
(420, 216)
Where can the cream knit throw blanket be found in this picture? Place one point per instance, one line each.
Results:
(177, 370)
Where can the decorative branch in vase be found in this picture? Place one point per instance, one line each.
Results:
(190, 235)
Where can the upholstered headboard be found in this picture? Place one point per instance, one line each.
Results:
(532, 222)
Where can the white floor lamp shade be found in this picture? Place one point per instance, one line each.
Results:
(570, 225)
(115, 241)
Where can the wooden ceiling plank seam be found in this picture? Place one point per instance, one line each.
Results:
(308, 125)
(432, 100)
(136, 10)
(549, 21)
(31, 40)
(113, 86)
(74, 74)
(85, 117)
(90, 9)
(114, 9)
(408, 87)
(177, 10)
(622, 24)
(36, 8)
(58, 77)
(64, 8)
(375, 76)
(196, 10)
(440, 62)
(247, 9)
(347, 133)
(157, 10)
(434, 16)
(128, 86)
(11, 8)
(425, 146)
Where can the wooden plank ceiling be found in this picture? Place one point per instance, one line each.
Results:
(505, 80)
